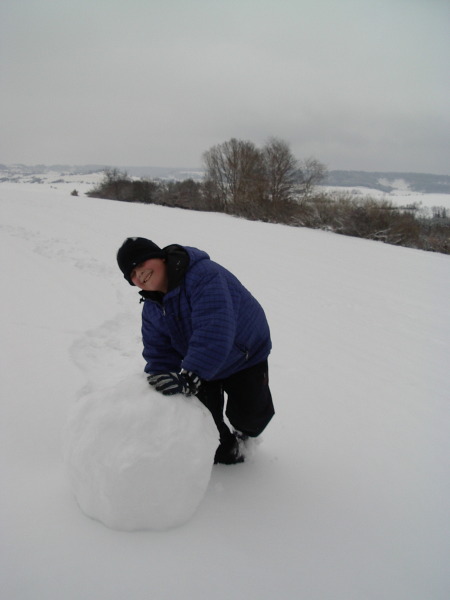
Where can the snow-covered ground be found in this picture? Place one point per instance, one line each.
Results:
(348, 495)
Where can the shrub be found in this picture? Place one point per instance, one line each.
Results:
(342, 213)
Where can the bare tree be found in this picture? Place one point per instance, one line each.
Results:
(280, 168)
(310, 173)
(259, 184)
(234, 172)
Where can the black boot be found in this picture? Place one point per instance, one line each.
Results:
(229, 451)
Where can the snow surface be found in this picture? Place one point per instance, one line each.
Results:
(348, 496)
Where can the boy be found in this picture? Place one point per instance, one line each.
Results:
(204, 334)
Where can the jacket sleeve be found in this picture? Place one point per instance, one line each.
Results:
(213, 324)
(159, 354)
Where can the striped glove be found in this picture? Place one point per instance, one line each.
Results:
(185, 382)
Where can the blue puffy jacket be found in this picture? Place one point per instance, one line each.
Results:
(208, 323)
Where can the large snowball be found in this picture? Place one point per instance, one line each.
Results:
(138, 459)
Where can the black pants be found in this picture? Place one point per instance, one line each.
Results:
(249, 405)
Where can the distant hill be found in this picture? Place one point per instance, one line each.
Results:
(383, 181)
(16, 172)
(387, 182)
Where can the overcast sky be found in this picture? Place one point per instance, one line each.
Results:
(357, 84)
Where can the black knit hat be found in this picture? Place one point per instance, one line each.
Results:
(135, 251)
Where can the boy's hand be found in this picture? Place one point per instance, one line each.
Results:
(185, 382)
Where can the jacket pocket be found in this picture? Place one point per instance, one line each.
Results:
(243, 351)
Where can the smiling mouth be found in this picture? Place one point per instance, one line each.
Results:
(147, 278)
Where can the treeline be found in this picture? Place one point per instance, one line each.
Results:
(376, 219)
(240, 179)
(269, 184)
(117, 185)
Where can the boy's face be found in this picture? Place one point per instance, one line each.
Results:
(151, 275)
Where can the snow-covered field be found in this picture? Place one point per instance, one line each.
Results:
(348, 495)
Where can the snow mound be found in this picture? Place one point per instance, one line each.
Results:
(137, 459)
